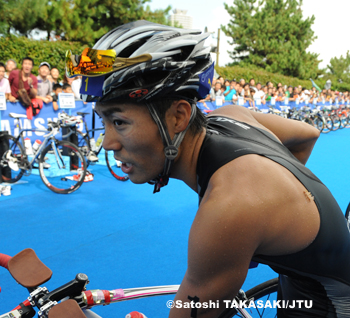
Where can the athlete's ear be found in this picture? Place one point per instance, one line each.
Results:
(179, 115)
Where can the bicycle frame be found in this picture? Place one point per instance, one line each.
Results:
(45, 300)
(48, 136)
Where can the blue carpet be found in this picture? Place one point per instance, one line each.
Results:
(121, 235)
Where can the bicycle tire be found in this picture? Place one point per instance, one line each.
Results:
(347, 121)
(336, 123)
(113, 167)
(328, 124)
(319, 124)
(265, 289)
(70, 176)
(343, 121)
(309, 121)
(9, 175)
(84, 145)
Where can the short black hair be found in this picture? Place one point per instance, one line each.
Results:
(162, 105)
(2, 65)
(56, 86)
(28, 58)
(65, 86)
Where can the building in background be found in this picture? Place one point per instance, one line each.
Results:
(181, 17)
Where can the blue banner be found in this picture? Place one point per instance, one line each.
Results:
(40, 122)
(207, 107)
(48, 114)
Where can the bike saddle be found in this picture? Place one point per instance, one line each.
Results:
(14, 115)
(82, 114)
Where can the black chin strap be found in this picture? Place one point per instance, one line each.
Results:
(171, 147)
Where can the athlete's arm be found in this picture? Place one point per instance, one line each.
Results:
(222, 242)
(213, 274)
(297, 136)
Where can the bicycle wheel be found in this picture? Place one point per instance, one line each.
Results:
(318, 123)
(343, 121)
(114, 168)
(327, 124)
(62, 167)
(12, 167)
(266, 291)
(336, 123)
(85, 147)
(83, 143)
(347, 121)
(308, 121)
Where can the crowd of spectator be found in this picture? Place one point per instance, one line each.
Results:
(20, 84)
(230, 91)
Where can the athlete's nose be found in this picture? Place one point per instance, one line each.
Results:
(110, 141)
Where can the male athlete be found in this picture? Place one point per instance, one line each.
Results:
(257, 200)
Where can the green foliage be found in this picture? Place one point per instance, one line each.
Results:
(262, 76)
(20, 16)
(74, 20)
(52, 52)
(340, 67)
(90, 19)
(272, 35)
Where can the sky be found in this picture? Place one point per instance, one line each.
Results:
(330, 25)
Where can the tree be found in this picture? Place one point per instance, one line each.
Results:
(20, 15)
(75, 20)
(87, 20)
(340, 67)
(272, 34)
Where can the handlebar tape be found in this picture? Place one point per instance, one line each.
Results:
(4, 259)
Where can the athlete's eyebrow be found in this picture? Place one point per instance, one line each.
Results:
(109, 111)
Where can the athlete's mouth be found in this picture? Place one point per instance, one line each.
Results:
(127, 167)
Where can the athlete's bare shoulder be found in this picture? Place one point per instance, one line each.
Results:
(297, 136)
(241, 114)
(246, 193)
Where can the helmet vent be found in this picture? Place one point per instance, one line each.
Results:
(129, 50)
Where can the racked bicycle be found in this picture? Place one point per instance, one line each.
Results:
(89, 147)
(62, 166)
(68, 300)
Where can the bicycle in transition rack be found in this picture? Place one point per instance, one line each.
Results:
(89, 147)
(68, 300)
(62, 166)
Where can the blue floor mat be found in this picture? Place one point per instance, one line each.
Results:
(121, 235)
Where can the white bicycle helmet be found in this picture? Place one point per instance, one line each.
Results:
(142, 62)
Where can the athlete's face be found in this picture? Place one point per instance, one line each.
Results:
(135, 139)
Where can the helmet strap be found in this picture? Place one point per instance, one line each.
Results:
(171, 147)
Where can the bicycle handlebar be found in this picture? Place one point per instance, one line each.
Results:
(4, 259)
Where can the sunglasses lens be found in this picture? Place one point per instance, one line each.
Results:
(90, 63)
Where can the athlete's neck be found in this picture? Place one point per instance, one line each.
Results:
(185, 166)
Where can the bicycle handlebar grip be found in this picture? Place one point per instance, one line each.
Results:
(135, 314)
(28, 270)
(4, 259)
(66, 309)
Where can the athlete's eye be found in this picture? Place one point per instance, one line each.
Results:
(118, 122)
